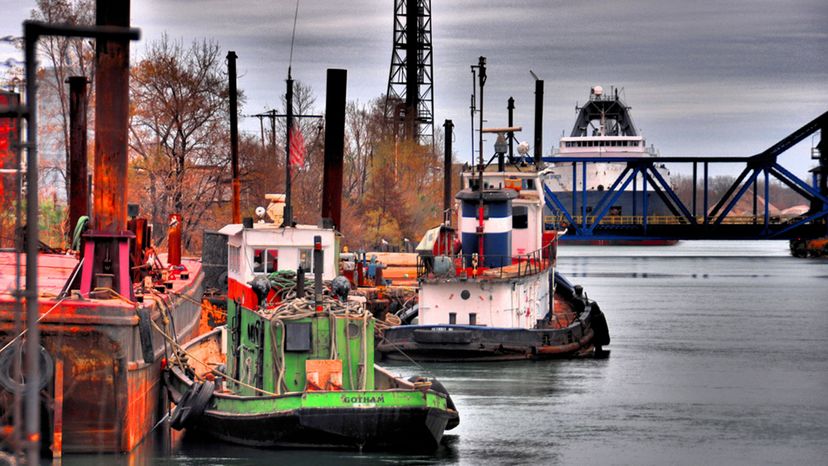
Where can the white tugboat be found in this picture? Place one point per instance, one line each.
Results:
(497, 297)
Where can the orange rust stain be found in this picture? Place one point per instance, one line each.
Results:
(562, 315)
(212, 316)
(142, 405)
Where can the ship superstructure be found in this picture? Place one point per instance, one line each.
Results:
(604, 130)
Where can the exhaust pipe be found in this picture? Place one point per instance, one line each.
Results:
(334, 147)
(447, 194)
(78, 192)
(234, 136)
(538, 123)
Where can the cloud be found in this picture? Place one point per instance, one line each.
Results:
(703, 77)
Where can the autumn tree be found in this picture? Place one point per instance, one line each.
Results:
(179, 134)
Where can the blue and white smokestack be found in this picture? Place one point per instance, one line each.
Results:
(497, 225)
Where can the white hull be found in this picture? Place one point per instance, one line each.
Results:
(506, 303)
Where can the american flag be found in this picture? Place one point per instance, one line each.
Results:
(297, 147)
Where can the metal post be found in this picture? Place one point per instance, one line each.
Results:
(482, 75)
(234, 136)
(635, 193)
(273, 136)
(334, 146)
(447, 194)
(706, 218)
(767, 196)
(174, 240)
(755, 198)
(583, 195)
(32, 366)
(575, 188)
(538, 122)
(288, 212)
(78, 194)
(481, 64)
(646, 201)
(510, 107)
(695, 184)
(317, 272)
(18, 297)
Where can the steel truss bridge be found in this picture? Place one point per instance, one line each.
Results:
(696, 221)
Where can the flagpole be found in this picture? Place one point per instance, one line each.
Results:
(288, 213)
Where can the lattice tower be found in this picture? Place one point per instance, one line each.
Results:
(409, 102)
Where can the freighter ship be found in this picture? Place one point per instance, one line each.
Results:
(604, 129)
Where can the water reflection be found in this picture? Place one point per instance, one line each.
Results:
(715, 360)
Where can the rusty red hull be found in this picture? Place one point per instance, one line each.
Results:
(110, 397)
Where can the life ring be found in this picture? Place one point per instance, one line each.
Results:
(47, 368)
(192, 405)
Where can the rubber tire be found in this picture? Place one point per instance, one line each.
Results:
(47, 368)
(599, 326)
(436, 386)
(192, 405)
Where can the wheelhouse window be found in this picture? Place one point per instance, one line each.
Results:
(234, 258)
(306, 259)
(520, 217)
(265, 260)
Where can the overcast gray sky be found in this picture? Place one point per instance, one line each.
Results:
(727, 77)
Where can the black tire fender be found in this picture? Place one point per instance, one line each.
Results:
(47, 368)
(436, 386)
(192, 404)
(599, 326)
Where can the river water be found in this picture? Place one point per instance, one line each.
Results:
(717, 358)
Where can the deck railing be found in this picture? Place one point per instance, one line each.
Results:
(667, 220)
(471, 265)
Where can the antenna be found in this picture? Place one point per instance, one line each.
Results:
(293, 37)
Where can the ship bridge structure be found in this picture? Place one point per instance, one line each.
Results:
(703, 217)
(609, 111)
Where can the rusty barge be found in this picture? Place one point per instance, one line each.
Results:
(100, 357)
(84, 373)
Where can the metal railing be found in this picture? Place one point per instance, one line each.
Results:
(668, 220)
(470, 265)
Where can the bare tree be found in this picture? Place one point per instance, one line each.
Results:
(179, 132)
(65, 57)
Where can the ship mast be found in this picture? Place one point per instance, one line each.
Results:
(481, 74)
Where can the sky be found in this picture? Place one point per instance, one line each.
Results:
(726, 77)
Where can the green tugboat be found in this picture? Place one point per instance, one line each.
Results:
(295, 367)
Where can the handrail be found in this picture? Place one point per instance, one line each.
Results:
(670, 220)
(527, 264)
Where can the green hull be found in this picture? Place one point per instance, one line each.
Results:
(395, 414)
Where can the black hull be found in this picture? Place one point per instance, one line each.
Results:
(444, 343)
(376, 428)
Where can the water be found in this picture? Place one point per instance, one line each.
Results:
(717, 358)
